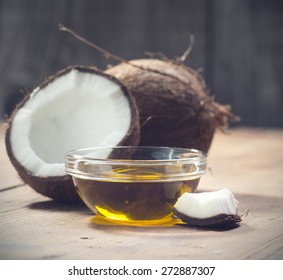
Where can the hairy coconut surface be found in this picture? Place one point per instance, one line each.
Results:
(221, 220)
(174, 105)
(78, 107)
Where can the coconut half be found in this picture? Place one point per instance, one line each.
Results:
(79, 107)
(208, 209)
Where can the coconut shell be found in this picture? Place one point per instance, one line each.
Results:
(221, 220)
(61, 188)
(173, 101)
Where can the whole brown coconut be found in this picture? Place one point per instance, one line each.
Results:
(174, 105)
(78, 107)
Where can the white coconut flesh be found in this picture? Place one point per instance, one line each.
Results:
(76, 110)
(207, 204)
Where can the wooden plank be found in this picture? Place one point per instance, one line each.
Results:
(246, 57)
(8, 175)
(246, 161)
(33, 227)
(238, 43)
(126, 28)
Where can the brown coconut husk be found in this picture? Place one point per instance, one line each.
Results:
(174, 104)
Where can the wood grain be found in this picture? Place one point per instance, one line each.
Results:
(237, 43)
(248, 161)
(8, 176)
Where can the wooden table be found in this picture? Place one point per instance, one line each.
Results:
(247, 161)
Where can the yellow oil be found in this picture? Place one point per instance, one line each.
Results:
(133, 196)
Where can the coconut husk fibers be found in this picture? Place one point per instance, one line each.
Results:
(61, 188)
(173, 101)
(221, 220)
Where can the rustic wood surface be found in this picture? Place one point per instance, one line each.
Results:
(248, 161)
(237, 43)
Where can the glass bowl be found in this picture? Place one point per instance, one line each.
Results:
(134, 185)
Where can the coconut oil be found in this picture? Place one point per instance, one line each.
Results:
(142, 197)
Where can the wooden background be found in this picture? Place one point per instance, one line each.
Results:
(238, 43)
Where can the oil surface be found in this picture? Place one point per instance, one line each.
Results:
(141, 199)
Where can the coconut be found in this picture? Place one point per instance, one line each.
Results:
(208, 209)
(173, 101)
(78, 107)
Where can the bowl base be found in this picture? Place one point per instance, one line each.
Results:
(169, 220)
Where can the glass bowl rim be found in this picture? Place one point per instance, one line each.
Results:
(76, 154)
(196, 161)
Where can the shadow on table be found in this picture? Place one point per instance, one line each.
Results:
(53, 206)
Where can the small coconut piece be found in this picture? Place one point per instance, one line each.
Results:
(208, 209)
(79, 107)
(173, 101)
